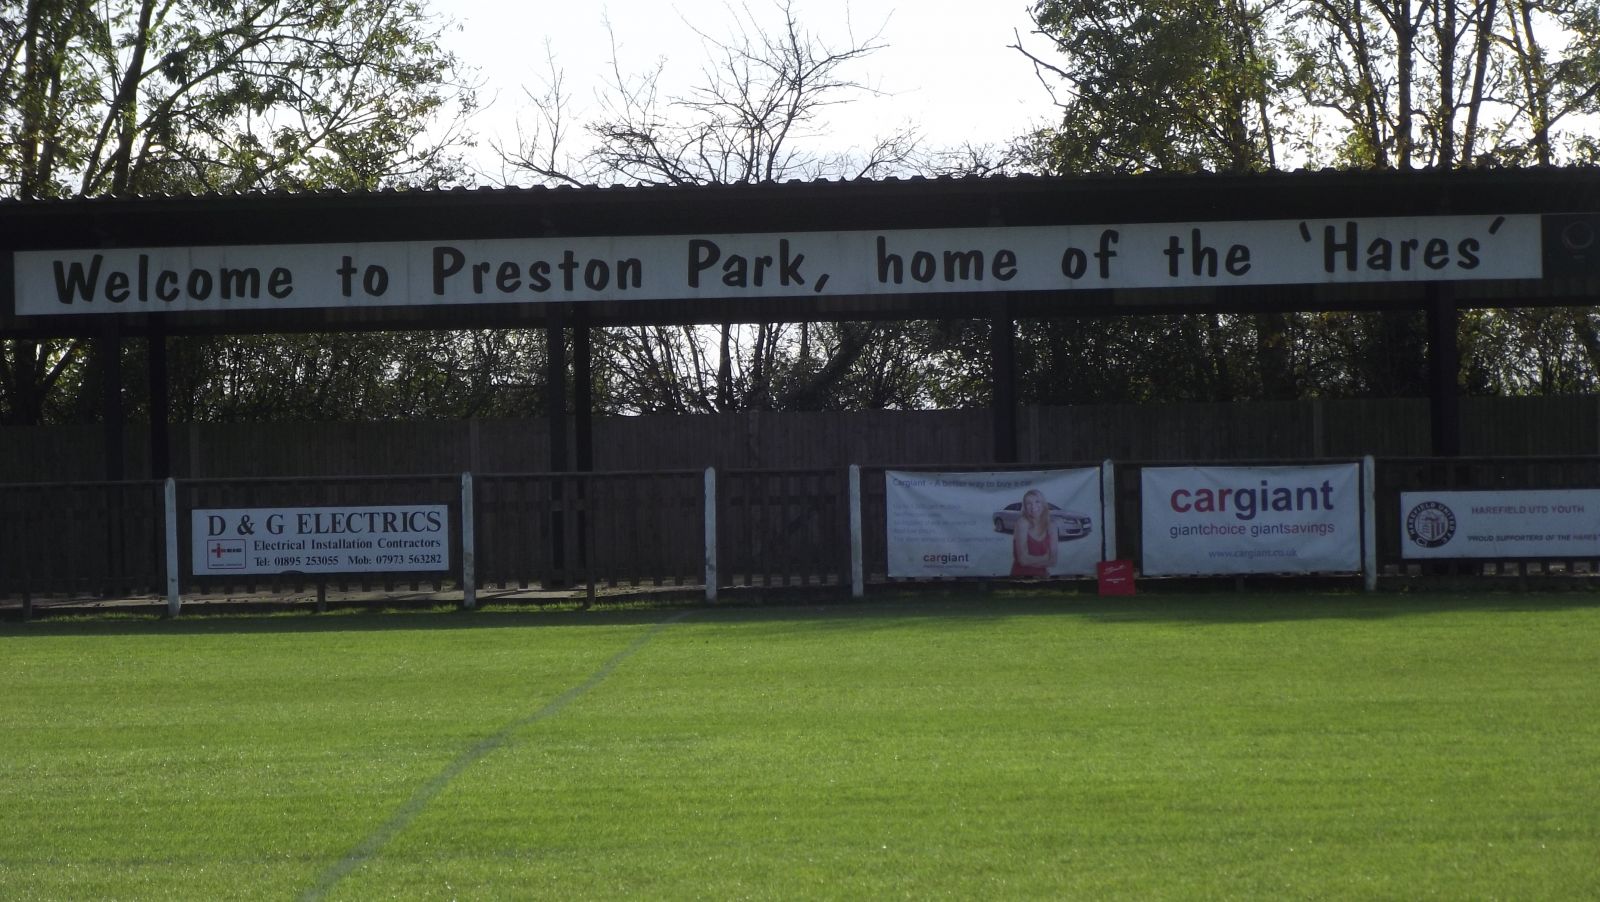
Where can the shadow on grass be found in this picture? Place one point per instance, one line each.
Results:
(1198, 609)
(811, 610)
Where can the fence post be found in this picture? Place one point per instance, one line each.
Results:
(171, 517)
(857, 577)
(1108, 510)
(1369, 523)
(469, 552)
(711, 534)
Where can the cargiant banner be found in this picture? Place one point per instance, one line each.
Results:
(1016, 523)
(671, 267)
(1526, 523)
(1226, 520)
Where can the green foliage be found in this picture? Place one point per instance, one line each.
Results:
(357, 376)
(136, 97)
(1543, 351)
(1172, 85)
(194, 96)
(1236, 86)
(1231, 85)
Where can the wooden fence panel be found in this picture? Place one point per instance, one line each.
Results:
(95, 539)
(918, 438)
(783, 527)
(250, 450)
(639, 529)
(1380, 427)
(514, 529)
(604, 529)
(672, 442)
(811, 439)
(1173, 431)
(508, 446)
(1511, 427)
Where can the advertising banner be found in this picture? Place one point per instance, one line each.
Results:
(1530, 523)
(1232, 520)
(993, 524)
(384, 539)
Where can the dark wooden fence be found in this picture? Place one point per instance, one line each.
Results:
(775, 527)
(601, 529)
(783, 527)
(82, 539)
(766, 440)
(781, 485)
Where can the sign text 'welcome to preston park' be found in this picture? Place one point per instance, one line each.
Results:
(681, 267)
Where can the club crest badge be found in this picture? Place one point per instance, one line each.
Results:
(1431, 524)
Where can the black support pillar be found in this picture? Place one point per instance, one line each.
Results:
(1003, 378)
(555, 333)
(160, 404)
(582, 395)
(582, 434)
(556, 414)
(113, 416)
(1444, 368)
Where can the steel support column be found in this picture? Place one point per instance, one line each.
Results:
(113, 416)
(556, 416)
(1444, 368)
(160, 403)
(1003, 379)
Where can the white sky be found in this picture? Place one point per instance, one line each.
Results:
(947, 68)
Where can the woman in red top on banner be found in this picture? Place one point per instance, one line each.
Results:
(1033, 538)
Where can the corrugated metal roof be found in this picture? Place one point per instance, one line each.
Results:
(940, 182)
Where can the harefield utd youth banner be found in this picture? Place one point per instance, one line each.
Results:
(1227, 520)
(978, 524)
(1529, 523)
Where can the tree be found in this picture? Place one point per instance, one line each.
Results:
(754, 115)
(138, 96)
(368, 376)
(1171, 85)
(1234, 85)
(1176, 86)
(1245, 85)
(145, 97)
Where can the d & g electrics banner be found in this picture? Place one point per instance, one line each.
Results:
(1530, 523)
(993, 524)
(1230, 520)
(384, 539)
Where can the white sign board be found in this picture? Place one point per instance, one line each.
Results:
(383, 539)
(978, 524)
(797, 264)
(1530, 523)
(1231, 520)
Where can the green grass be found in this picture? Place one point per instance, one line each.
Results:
(1260, 746)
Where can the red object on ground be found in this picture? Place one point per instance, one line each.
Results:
(1116, 577)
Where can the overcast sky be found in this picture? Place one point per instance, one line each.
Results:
(946, 66)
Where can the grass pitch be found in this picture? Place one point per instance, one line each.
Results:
(966, 747)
